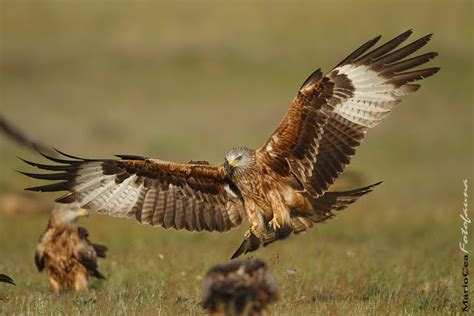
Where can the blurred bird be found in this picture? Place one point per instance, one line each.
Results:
(6, 279)
(239, 288)
(66, 252)
(15, 134)
(282, 187)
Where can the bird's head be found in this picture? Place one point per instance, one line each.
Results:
(239, 159)
(67, 213)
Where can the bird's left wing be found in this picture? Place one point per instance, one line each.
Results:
(331, 114)
(193, 196)
(100, 250)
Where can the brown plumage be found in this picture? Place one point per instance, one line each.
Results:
(281, 187)
(6, 279)
(66, 252)
(239, 288)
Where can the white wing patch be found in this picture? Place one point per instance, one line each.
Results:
(373, 97)
(103, 194)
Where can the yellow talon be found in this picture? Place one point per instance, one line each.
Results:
(274, 224)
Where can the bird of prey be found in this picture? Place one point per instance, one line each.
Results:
(239, 288)
(66, 252)
(6, 279)
(281, 187)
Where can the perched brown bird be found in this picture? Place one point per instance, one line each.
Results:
(66, 252)
(6, 279)
(281, 187)
(239, 288)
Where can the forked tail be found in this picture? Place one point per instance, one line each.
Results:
(324, 205)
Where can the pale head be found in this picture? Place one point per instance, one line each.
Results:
(67, 213)
(239, 159)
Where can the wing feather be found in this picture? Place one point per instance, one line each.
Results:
(195, 196)
(330, 116)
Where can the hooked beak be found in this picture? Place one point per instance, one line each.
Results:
(229, 167)
(233, 163)
(82, 212)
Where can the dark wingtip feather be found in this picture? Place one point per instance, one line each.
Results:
(71, 156)
(54, 187)
(67, 199)
(48, 176)
(385, 48)
(68, 162)
(6, 279)
(313, 78)
(406, 77)
(359, 51)
(406, 64)
(47, 167)
(131, 157)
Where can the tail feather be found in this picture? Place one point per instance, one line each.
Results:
(339, 200)
(324, 205)
(250, 243)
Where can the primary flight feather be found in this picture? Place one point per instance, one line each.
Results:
(280, 188)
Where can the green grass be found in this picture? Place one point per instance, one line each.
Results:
(182, 82)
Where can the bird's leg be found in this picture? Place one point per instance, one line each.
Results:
(274, 224)
(80, 282)
(255, 217)
(281, 215)
(54, 285)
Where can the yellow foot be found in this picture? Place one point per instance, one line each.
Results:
(274, 224)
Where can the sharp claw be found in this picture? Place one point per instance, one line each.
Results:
(274, 224)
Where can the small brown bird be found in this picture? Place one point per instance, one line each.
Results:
(6, 279)
(66, 252)
(239, 288)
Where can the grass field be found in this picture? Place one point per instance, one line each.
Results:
(188, 81)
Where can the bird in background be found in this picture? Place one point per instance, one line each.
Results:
(65, 251)
(280, 188)
(239, 288)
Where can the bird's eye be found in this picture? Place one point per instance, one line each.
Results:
(238, 158)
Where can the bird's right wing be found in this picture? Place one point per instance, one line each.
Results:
(194, 196)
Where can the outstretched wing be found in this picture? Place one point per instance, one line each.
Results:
(328, 119)
(183, 196)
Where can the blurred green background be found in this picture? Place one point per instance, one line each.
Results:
(189, 80)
